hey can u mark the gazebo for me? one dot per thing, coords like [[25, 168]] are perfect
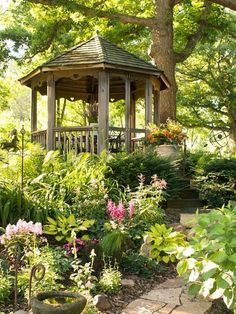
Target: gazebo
[[95, 71]]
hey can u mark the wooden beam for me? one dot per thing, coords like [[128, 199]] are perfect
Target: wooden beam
[[133, 115], [148, 102], [127, 115], [51, 112], [33, 111], [157, 108], [103, 111]]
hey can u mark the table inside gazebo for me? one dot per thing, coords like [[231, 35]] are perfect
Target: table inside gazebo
[[78, 139]]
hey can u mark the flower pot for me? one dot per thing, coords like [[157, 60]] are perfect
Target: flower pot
[[171, 152], [58, 303]]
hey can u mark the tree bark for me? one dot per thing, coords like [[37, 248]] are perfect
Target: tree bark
[[162, 52]]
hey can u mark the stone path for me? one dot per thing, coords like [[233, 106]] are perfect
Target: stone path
[[170, 297]]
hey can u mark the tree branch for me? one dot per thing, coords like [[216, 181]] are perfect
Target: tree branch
[[193, 39], [95, 12], [230, 4]]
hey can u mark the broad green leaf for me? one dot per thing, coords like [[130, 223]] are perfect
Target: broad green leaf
[[194, 288], [166, 259], [52, 221], [219, 257], [59, 238], [232, 258], [182, 267], [221, 283], [232, 243]]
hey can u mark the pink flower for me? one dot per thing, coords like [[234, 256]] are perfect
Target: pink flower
[[116, 212], [21, 228], [131, 209], [38, 228]]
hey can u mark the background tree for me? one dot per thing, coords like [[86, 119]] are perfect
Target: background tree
[[207, 85], [171, 28]]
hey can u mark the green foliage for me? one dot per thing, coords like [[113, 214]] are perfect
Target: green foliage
[[115, 242], [216, 181], [208, 98], [110, 280], [164, 242], [13, 205], [126, 168], [139, 265], [210, 259], [54, 262], [82, 275], [6, 283], [147, 199], [62, 227]]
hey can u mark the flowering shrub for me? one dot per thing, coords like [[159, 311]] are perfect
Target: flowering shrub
[[77, 245], [20, 231], [170, 133], [118, 213]]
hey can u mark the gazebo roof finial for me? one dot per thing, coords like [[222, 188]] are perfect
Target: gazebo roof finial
[[97, 33]]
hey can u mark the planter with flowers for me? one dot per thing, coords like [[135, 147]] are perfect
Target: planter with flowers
[[166, 139]]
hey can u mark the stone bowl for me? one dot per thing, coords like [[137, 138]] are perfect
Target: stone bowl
[[58, 303]]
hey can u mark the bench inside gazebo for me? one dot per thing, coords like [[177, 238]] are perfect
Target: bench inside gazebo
[[97, 72]]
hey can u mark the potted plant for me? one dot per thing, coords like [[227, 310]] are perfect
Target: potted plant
[[166, 139]]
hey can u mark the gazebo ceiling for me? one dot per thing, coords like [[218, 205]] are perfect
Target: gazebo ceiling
[[91, 56], [86, 88]]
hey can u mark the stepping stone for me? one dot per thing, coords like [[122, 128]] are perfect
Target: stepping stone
[[196, 307], [165, 295], [141, 306], [188, 220], [172, 283], [167, 309]]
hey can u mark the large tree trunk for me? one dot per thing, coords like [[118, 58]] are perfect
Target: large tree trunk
[[162, 52], [233, 131]]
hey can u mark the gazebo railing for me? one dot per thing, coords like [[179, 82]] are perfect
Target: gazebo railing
[[79, 139], [40, 137], [76, 139]]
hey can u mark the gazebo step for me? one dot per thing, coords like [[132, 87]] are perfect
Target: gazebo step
[[185, 203], [189, 194]]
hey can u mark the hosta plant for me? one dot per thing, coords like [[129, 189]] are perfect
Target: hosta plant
[[164, 243], [62, 227], [209, 262]]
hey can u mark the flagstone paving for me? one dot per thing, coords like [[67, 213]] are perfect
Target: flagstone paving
[[170, 297]]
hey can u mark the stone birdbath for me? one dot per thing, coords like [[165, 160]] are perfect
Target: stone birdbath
[[61, 302]]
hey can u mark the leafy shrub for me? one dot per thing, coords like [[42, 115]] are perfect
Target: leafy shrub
[[13, 205], [139, 265], [164, 242], [54, 262], [210, 260], [62, 227], [217, 181], [6, 284], [110, 280], [125, 168]]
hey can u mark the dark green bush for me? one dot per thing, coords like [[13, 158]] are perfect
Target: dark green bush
[[13, 205], [125, 169], [140, 265], [217, 181]]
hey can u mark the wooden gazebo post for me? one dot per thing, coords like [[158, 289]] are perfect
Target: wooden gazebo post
[[148, 101], [51, 104], [103, 110], [33, 110], [127, 114]]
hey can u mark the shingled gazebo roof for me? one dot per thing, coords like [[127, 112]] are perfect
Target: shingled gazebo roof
[[97, 52]]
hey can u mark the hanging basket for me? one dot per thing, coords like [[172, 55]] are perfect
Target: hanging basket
[[171, 152]]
